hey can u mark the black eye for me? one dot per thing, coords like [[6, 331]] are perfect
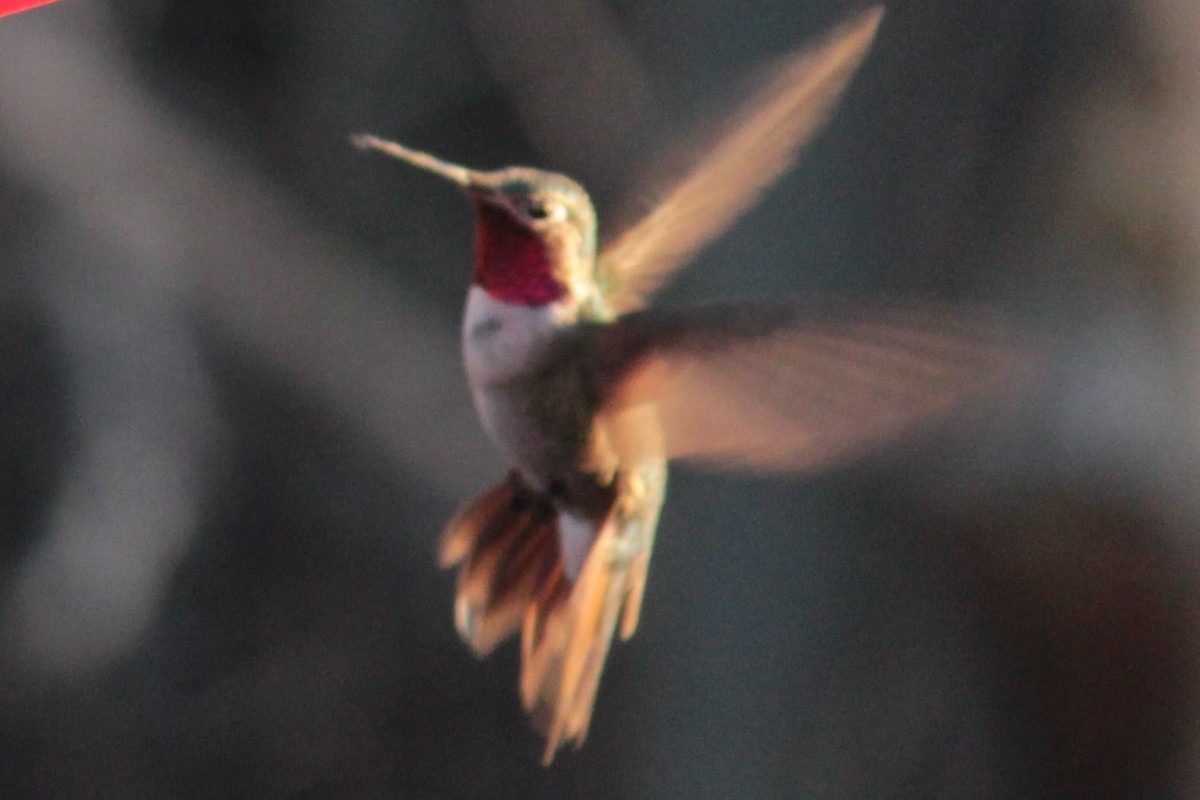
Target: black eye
[[536, 209]]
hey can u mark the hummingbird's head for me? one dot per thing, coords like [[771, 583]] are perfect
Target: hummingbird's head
[[535, 231]]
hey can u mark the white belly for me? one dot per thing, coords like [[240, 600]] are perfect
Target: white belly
[[501, 344]]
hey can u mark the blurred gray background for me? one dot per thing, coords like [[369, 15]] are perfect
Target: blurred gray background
[[233, 422]]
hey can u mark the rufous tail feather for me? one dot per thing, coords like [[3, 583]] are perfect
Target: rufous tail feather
[[511, 575]]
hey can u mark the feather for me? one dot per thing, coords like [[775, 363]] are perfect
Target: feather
[[763, 141], [512, 576], [505, 545], [795, 386], [567, 634]]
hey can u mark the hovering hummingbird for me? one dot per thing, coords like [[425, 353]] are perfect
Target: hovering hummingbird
[[588, 395]]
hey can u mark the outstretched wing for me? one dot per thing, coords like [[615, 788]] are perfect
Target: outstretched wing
[[797, 386], [763, 140]]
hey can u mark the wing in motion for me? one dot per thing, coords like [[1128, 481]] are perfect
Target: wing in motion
[[763, 140], [796, 386]]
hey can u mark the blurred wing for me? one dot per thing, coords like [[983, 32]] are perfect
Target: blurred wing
[[795, 387], [763, 141]]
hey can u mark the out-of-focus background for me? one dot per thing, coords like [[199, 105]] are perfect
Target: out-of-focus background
[[232, 417]]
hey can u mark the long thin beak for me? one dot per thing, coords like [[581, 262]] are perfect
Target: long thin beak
[[452, 172]]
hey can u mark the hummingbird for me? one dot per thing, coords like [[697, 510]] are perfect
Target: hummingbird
[[588, 393]]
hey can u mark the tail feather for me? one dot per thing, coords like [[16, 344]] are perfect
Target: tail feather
[[512, 575], [568, 672], [506, 545], [468, 524], [637, 589]]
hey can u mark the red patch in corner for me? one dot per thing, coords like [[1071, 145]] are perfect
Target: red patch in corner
[[15, 6]]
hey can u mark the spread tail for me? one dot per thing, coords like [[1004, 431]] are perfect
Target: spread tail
[[505, 543], [511, 575]]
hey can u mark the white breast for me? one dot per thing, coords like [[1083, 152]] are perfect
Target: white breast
[[502, 340], [501, 343]]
